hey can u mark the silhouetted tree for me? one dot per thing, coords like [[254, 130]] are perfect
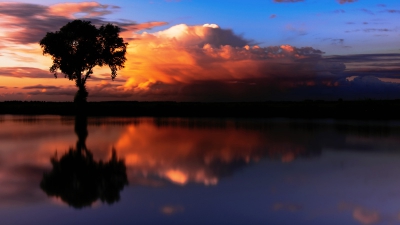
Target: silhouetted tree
[[79, 180], [79, 46]]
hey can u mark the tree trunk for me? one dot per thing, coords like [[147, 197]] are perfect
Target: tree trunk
[[81, 95]]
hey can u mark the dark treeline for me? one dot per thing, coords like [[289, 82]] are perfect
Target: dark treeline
[[365, 109]]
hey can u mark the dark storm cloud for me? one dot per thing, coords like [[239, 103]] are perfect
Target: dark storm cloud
[[262, 90], [362, 87], [366, 58], [371, 65], [379, 73], [382, 65], [321, 78]]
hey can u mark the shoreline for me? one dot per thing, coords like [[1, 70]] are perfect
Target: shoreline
[[358, 110]]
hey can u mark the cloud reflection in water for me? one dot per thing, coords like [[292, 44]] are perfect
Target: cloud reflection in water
[[327, 161]]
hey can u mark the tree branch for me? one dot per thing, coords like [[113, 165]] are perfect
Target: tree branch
[[90, 71]]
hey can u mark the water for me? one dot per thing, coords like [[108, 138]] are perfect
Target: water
[[198, 171]]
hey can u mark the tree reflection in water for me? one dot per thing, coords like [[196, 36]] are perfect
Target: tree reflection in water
[[79, 180]]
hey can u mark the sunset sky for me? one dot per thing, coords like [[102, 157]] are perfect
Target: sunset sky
[[202, 50]]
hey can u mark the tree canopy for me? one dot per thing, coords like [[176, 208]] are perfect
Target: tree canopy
[[79, 46]]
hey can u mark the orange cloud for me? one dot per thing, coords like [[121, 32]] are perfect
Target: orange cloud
[[192, 58], [182, 63], [143, 26], [209, 63], [81, 9]]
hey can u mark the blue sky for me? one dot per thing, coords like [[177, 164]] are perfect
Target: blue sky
[[364, 26], [318, 23]]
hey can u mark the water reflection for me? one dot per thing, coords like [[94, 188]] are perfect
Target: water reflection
[[204, 151], [233, 171], [79, 180]]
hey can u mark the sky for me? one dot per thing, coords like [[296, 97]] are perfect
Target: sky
[[201, 50]]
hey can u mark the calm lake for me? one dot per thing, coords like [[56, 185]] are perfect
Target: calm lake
[[67, 170]]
